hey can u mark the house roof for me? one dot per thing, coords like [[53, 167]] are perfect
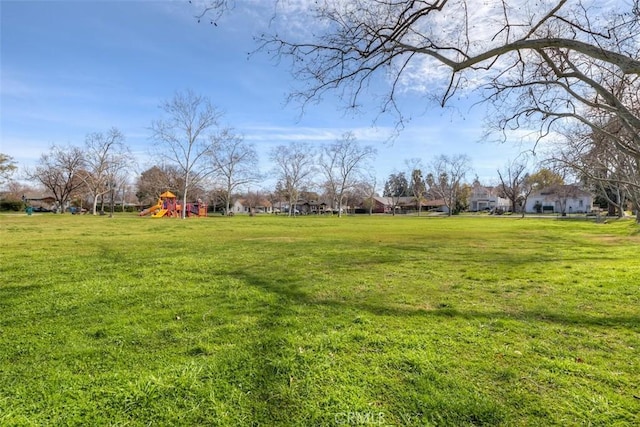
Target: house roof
[[41, 197], [408, 201], [262, 202], [434, 202], [479, 191], [570, 190], [383, 200]]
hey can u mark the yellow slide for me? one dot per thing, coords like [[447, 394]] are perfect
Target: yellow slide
[[150, 210], [159, 214]]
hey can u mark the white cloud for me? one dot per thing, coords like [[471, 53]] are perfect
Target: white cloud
[[283, 134]]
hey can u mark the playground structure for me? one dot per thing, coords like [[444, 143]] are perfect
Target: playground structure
[[168, 206]]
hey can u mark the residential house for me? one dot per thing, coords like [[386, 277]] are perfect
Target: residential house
[[307, 207], [41, 200], [406, 205], [382, 204], [486, 198], [563, 199], [243, 205]]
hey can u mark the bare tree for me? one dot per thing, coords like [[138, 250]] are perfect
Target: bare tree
[[234, 161], [368, 189], [16, 190], [213, 10], [342, 164], [127, 195], [7, 167], [60, 171], [253, 199], [183, 139], [104, 153], [277, 196], [217, 197], [417, 185], [294, 166], [539, 64], [515, 184], [614, 174], [418, 188], [527, 186], [446, 177]]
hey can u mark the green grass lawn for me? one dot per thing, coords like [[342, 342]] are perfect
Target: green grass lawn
[[318, 321]]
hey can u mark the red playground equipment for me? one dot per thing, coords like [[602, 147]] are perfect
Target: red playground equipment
[[168, 206]]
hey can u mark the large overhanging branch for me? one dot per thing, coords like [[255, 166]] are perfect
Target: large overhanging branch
[[587, 171], [611, 107], [564, 62], [626, 64], [626, 146], [599, 163], [610, 98]]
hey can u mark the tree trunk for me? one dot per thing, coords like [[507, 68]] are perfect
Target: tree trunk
[[111, 204]]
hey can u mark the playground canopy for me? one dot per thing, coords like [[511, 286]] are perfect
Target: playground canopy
[[168, 195]]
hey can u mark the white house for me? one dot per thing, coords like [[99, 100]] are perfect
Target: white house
[[486, 198], [243, 206], [560, 199]]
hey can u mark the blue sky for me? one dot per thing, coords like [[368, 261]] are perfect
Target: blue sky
[[71, 68]]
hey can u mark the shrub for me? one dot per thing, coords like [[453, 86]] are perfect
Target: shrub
[[15, 205]]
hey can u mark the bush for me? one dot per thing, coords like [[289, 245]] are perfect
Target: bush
[[15, 205], [128, 209]]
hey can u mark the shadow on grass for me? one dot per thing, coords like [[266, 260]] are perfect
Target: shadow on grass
[[275, 359], [292, 292], [504, 256], [414, 401], [9, 292], [283, 387]]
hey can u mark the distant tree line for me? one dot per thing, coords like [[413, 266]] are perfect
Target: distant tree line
[[562, 70], [197, 158]]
